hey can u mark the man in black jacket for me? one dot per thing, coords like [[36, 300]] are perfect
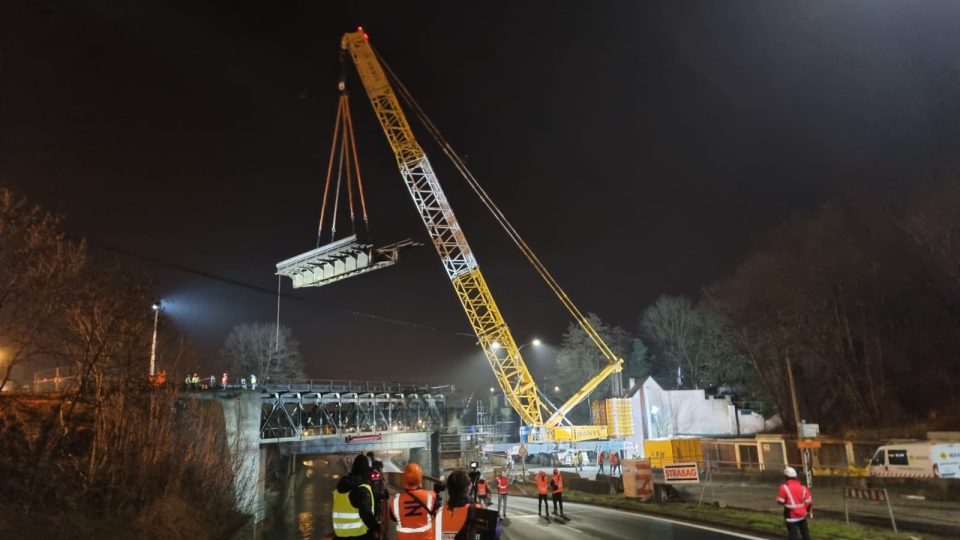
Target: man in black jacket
[[353, 508]]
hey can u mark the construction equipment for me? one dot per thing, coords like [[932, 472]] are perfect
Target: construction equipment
[[548, 423]]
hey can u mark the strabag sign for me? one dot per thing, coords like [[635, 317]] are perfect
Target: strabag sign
[[681, 473]]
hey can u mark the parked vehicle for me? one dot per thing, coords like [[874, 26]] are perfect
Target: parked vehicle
[[923, 459]]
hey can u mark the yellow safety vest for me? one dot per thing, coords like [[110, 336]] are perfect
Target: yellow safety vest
[[346, 518]]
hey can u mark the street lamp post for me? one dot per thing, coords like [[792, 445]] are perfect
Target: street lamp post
[[153, 344]]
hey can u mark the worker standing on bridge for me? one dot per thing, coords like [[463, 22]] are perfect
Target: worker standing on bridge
[[352, 506], [502, 484], [414, 508], [224, 380], [542, 488], [253, 381], [797, 502], [600, 457], [615, 463]]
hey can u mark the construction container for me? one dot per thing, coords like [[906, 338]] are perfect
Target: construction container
[[666, 451], [615, 414]]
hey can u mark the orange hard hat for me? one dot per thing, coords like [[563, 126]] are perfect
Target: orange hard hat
[[412, 476]]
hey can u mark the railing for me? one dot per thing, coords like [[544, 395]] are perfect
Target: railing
[[55, 379], [340, 385]]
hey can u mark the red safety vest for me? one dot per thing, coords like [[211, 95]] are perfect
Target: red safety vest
[[795, 497], [614, 459], [450, 521], [541, 484], [600, 458], [558, 480], [414, 522], [481, 489], [502, 484]]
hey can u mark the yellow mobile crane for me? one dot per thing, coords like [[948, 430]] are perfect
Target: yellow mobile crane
[[547, 423]]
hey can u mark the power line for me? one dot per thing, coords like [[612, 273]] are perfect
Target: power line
[[256, 288]]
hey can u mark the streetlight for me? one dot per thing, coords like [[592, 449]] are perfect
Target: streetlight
[[153, 345], [492, 389], [536, 343], [556, 389]]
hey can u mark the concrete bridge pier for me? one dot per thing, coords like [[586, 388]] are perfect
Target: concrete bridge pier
[[242, 419]]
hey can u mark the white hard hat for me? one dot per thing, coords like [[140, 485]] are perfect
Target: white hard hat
[[790, 472]]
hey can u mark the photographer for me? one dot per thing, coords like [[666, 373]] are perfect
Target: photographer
[[460, 519]]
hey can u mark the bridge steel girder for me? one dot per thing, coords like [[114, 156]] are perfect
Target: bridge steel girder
[[289, 416]]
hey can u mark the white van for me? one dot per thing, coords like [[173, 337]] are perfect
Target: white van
[[917, 460]]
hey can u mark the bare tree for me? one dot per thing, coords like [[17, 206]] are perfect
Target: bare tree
[[254, 348], [38, 270]]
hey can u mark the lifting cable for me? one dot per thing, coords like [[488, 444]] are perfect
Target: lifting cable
[[343, 151], [498, 214]]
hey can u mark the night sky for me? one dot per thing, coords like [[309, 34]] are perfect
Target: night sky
[[641, 148]]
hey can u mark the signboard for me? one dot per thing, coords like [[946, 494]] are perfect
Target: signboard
[[681, 473], [523, 451], [810, 443], [809, 431], [637, 478]]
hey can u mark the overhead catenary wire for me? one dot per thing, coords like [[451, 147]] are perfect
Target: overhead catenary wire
[[498, 215]]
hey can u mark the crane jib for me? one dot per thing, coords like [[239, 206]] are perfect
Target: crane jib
[[460, 264]]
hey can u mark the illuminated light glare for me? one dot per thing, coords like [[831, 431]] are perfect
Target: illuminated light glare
[[492, 389], [495, 345], [556, 388], [537, 342], [654, 409]]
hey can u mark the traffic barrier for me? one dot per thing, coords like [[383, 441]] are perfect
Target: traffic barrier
[[869, 494]]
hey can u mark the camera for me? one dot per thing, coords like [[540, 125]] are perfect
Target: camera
[[473, 465], [439, 486]]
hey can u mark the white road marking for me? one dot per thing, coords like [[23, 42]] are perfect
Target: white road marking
[[681, 523]]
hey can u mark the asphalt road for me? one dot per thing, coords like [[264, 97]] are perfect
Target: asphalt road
[[307, 515], [596, 522]]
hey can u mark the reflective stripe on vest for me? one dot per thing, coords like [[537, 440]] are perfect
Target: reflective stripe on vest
[[346, 518], [403, 529], [795, 507]]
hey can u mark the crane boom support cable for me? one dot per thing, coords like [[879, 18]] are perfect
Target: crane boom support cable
[[512, 233]]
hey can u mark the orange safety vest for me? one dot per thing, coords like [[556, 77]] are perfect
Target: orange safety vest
[[558, 480], [414, 522], [614, 459], [541, 484], [450, 521], [481, 489], [501, 484], [600, 458]]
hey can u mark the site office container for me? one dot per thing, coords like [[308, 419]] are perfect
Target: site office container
[[666, 451]]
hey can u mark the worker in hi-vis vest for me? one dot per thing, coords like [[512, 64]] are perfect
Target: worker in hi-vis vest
[[353, 504], [453, 516], [797, 502], [542, 489], [414, 508]]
